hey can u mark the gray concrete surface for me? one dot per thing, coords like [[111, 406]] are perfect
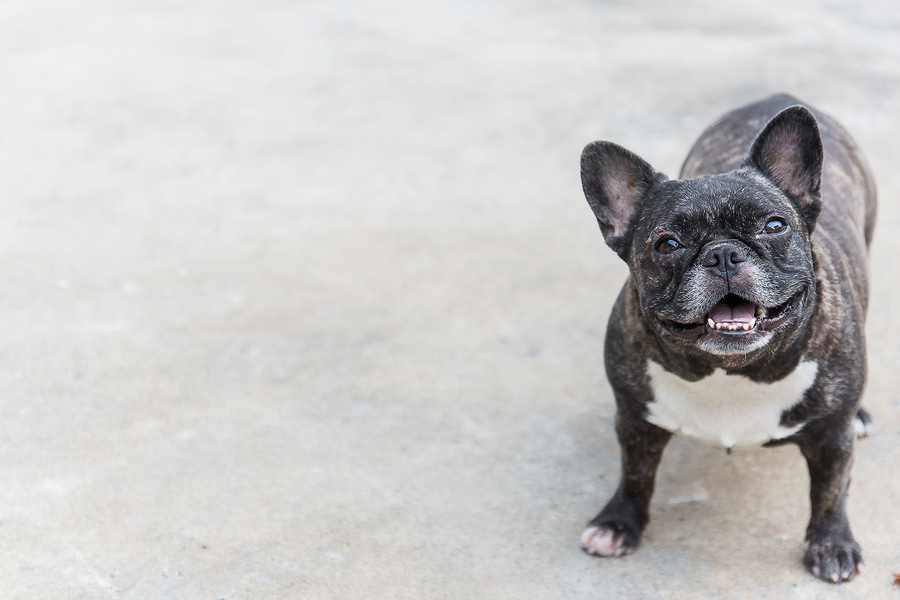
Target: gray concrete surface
[[303, 300]]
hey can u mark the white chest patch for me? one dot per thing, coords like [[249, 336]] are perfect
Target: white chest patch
[[727, 410]]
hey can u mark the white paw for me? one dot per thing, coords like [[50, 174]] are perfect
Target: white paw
[[861, 428], [603, 542]]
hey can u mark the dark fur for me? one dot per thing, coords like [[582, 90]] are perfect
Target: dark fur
[[772, 157]]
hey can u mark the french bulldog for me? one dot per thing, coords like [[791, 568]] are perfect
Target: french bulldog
[[742, 321]]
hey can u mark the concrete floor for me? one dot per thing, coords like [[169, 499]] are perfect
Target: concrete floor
[[303, 299]]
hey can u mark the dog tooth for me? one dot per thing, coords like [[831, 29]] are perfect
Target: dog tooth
[[752, 323], [711, 323]]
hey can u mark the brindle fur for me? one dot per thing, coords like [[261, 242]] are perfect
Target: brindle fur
[[827, 327]]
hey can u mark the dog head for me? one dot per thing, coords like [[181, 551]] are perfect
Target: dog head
[[722, 263]]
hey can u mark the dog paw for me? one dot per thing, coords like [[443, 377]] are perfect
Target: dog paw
[[862, 424], [604, 541], [834, 560]]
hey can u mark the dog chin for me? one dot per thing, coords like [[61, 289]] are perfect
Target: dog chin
[[731, 348]]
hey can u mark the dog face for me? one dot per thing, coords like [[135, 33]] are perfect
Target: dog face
[[722, 263]]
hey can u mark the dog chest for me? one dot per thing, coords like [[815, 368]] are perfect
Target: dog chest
[[727, 410]]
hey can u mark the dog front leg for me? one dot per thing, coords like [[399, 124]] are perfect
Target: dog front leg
[[617, 529], [833, 554]]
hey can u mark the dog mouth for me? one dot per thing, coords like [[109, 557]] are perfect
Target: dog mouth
[[734, 316]]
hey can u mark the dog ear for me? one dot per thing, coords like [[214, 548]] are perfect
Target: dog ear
[[614, 182], [789, 153]]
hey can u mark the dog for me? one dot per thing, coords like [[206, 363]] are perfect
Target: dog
[[742, 321]]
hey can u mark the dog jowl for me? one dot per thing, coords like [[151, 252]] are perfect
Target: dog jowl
[[741, 323]]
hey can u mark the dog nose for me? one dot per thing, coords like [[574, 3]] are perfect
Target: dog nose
[[725, 257]]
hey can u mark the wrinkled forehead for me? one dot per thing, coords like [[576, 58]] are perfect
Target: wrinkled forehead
[[729, 201]]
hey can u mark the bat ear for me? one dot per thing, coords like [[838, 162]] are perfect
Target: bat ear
[[789, 153], [614, 182]]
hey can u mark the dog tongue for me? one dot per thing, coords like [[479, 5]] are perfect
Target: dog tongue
[[741, 312]]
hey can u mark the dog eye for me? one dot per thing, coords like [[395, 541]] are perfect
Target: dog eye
[[775, 226], [667, 246]]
